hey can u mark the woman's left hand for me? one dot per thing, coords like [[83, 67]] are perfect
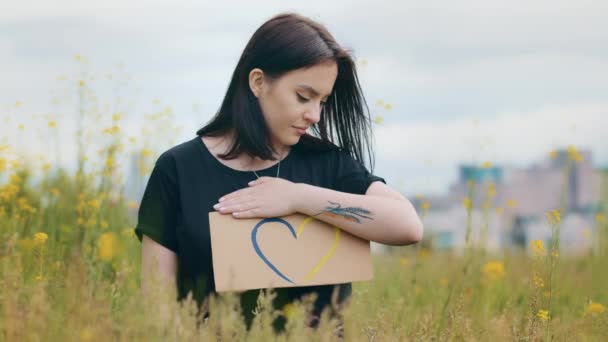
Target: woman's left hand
[[265, 197]]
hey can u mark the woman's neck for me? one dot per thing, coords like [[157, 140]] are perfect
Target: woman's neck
[[224, 142]]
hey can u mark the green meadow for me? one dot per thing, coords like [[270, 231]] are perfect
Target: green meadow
[[70, 262]]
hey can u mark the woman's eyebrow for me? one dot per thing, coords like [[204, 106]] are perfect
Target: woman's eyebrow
[[310, 89]]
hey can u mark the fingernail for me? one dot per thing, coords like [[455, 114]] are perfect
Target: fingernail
[[221, 199]]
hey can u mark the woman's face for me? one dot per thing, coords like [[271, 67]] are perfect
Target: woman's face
[[293, 100]]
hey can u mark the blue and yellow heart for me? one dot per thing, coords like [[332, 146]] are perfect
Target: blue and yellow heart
[[296, 235]]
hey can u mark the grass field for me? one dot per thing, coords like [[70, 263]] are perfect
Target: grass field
[[70, 268]]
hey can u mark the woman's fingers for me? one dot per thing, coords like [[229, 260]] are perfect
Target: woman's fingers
[[250, 213], [236, 207]]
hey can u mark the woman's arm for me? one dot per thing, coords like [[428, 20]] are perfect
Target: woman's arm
[[378, 216], [158, 283], [158, 267]]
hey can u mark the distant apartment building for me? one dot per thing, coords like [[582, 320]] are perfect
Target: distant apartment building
[[515, 202]]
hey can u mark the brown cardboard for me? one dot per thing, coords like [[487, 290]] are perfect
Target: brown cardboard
[[321, 254]]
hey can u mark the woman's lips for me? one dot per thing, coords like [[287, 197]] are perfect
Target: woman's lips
[[300, 130]]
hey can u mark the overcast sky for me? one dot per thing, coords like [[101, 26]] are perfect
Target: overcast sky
[[469, 81]]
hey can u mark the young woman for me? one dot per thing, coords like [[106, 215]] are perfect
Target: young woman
[[291, 80]]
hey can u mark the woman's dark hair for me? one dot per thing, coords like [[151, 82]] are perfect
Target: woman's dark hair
[[286, 42]]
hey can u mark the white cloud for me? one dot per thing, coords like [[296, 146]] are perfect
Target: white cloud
[[526, 70], [424, 155]]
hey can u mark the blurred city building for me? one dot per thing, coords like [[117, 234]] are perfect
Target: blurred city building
[[509, 205]]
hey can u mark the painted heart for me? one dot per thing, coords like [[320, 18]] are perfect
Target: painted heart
[[295, 234]]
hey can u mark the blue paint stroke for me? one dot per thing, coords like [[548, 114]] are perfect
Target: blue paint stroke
[[254, 233]]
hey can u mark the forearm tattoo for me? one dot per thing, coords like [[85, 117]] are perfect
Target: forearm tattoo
[[351, 213]]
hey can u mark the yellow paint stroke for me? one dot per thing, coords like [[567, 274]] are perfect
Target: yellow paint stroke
[[327, 255]]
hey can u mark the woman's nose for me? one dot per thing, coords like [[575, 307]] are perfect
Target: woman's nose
[[314, 115]]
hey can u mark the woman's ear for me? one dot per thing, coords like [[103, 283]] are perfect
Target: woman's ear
[[256, 81]]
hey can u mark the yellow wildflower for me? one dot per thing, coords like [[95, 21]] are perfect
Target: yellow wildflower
[[594, 309], [543, 315], [15, 179], [107, 246], [2, 164], [21, 127], [289, 310], [52, 124], [554, 217], [418, 196], [112, 130], [40, 238], [486, 165], [494, 270], [95, 203], [380, 102], [537, 247], [538, 281], [404, 261], [146, 152], [388, 106], [22, 202], [466, 203], [132, 204], [378, 119], [81, 83], [424, 253], [511, 203], [599, 217], [499, 210], [103, 224], [425, 205], [491, 189], [574, 154], [553, 154], [116, 117]]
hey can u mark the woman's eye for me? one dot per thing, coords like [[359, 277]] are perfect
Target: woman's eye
[[301, 98]]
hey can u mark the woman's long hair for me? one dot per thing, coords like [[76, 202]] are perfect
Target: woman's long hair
[[286, 42]]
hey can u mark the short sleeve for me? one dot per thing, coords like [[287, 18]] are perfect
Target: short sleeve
[[159, 206], [351, 175]]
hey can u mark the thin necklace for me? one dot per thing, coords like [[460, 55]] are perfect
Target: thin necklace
[[278, 169]]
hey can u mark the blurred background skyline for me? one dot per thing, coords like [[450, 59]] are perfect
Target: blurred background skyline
[[468, 82]]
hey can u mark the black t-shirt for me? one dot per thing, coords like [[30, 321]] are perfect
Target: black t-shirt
[[187, 180]]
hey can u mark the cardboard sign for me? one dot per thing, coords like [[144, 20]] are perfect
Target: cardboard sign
[[293, 250]]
